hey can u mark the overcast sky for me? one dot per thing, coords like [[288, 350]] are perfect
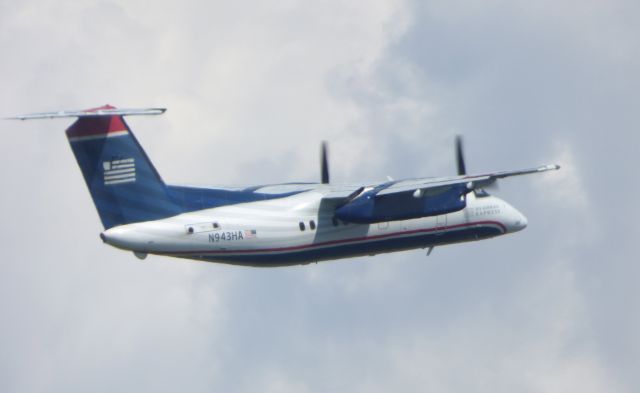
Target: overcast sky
[[252, 88]]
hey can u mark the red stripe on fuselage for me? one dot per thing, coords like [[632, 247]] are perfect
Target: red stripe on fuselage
[[334, 242]]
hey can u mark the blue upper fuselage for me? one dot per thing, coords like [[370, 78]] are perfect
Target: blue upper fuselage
[[195, 198]]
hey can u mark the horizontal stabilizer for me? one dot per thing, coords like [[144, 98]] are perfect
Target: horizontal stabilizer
[[106, 110]]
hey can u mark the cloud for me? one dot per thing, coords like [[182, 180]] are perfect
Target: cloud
[[252, 87]]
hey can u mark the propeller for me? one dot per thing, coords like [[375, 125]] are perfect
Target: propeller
[[324, 164], [462, 169]]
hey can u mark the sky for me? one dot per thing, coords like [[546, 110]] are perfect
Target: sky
[[251, 88]]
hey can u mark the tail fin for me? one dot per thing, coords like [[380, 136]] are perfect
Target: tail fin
[[123, 183]]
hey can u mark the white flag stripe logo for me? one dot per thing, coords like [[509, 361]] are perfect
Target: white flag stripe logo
[[110, 182], [116, 171], [120, 166], [125, 161], [119, 171], [120, 176]]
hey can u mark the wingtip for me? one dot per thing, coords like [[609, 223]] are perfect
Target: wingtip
[[553, 167]]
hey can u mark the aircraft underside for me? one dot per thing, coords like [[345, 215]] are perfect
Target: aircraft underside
[[350, 248]]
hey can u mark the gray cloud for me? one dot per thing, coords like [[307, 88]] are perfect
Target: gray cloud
[[251, 89]]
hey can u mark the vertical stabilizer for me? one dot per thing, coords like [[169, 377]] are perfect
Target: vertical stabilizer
[[123, 183]]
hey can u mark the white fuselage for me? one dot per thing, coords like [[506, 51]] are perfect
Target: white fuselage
[[300, 229]]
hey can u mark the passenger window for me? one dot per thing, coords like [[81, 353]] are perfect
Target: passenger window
[[312, 225], [334, 221], [301, 224]]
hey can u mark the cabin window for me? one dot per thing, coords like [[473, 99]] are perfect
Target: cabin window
[[301, 225], [216, 225], [334, 221], [312, 225], [190, 230]]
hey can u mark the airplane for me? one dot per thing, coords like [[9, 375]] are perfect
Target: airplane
[[277, 224]]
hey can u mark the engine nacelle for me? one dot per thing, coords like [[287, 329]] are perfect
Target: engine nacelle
[[371, 208]]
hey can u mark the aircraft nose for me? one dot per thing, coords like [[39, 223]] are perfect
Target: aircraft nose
[[517, 221]]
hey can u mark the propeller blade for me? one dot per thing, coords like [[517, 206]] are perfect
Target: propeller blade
[[460, 156], [462, 169], [324, 164]]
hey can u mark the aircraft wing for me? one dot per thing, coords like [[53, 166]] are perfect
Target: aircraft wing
[[477, 181], [414, 198]]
